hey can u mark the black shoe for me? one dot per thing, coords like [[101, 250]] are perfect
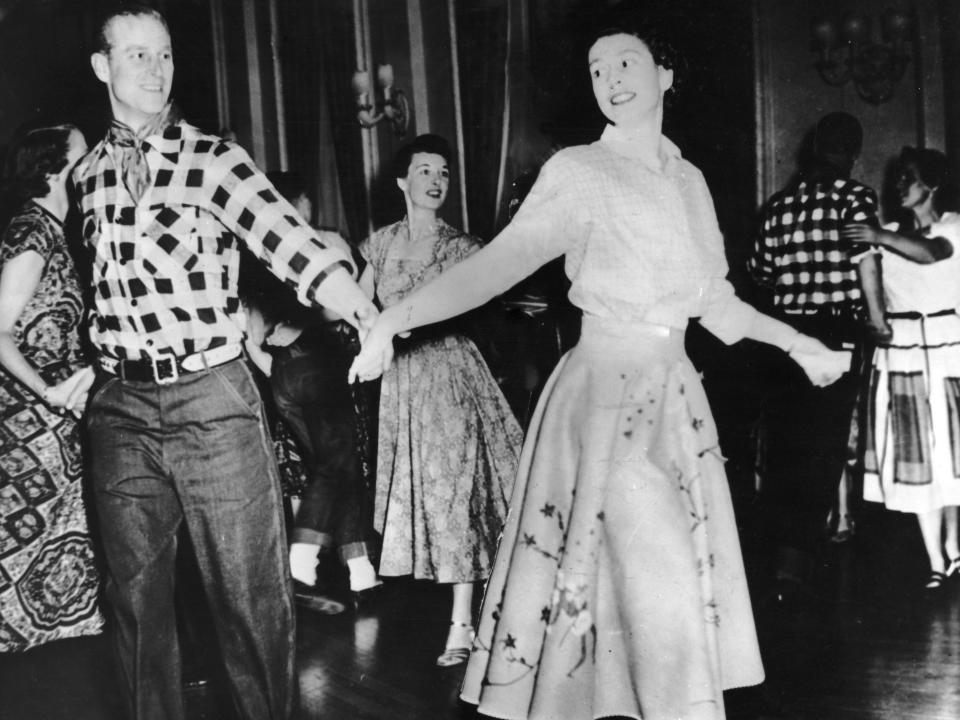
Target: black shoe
[[365, 600], [309, 598], [791, 595]]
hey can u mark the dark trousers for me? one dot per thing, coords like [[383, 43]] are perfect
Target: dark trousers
[[806, 432], [310, 391], [194, 452]]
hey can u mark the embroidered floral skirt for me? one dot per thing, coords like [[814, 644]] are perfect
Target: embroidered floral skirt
[[448, 447], [618, 587], [911, 456], [48, 577]]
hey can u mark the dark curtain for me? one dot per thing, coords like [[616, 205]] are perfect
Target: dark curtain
[[336, 39], [482, 39], [323, 138]]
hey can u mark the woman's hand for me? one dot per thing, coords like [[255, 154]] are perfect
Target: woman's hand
[[376, 350], [71, 394], [822, 365], [860, 233]]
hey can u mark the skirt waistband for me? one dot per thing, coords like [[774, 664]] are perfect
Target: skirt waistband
[[639, 339]]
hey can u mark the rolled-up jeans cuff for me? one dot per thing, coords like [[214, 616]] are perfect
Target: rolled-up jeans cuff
[[354, 550], [312, 537]]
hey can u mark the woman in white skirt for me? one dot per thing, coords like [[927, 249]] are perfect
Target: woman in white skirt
[[618, 587], [912, 426]]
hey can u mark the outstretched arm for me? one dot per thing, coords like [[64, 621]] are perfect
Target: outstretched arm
[[465, 286], [916, 247]]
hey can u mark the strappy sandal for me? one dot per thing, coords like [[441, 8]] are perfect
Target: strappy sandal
[[456, 655], [935, 580], [953, 567]]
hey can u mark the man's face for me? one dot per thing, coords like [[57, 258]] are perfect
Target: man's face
[[138, 70]]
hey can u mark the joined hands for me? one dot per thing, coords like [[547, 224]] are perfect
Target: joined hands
[[822, 365], [376, 347]]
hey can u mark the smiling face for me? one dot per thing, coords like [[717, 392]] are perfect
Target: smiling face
[[138, 70], [427, 181], [627, 83]]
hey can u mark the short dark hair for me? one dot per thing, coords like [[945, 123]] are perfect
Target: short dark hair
[[931, 165], [38, 153], [837, 134], [289, 184], [101, 42], [433, 144], [659, 41]]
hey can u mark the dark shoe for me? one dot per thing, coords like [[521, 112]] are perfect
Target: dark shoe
[[935, 581], [310, 598], [365, 600], [788, 595]]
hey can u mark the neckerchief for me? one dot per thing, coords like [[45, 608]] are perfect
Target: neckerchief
[[133, 159]]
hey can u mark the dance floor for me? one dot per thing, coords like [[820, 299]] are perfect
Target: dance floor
[[872, 645]]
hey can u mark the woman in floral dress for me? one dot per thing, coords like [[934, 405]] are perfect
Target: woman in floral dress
[[447, 441], [48, 578], [618, 587]]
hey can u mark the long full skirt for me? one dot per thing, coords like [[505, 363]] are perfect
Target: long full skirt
[[448, 447], [618, 587]]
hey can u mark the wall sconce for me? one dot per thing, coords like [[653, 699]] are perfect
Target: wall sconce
[[391, 106], [848, 52]]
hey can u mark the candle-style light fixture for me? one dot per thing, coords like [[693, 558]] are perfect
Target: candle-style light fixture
[[849, 51], [391, 104]]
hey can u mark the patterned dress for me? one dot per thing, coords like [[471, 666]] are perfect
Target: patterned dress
[[448, 443], [911, 429], [48, 577], [618, 588]]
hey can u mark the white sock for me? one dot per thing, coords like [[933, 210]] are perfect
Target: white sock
[[362, 574], [303, 562]]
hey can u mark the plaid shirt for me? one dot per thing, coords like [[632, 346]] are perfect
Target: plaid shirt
[[165, 269], [799, 253]]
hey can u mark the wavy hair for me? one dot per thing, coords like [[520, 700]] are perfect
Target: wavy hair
[[34, 156]]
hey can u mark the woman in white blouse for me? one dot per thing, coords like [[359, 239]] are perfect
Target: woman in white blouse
[[618, 587], [911, 443]]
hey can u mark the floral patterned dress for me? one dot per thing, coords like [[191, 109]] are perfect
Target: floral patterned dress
[[618, 588], [48, 577], [448, 443]]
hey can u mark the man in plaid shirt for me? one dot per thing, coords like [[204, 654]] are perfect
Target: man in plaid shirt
[[800, 257], [175, 421]]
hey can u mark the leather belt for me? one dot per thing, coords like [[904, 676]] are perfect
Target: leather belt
[[167, 369], [916, 315]]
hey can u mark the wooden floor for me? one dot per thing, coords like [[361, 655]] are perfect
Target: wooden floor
[[874, 646]]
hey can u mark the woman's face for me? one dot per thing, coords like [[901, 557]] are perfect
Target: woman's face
[[913, 192], [627, 83], [427, 181]]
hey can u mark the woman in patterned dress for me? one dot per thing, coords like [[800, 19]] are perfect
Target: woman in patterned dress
[[912, 414], [618, 587], [48, 579], [448, 443]]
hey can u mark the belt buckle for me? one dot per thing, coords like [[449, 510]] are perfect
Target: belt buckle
[[165, 370]]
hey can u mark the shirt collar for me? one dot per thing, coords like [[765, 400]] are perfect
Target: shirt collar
[[618, 141]]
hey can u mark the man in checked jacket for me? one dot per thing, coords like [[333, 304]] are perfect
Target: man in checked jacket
[[175, 422], [800, 257]]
